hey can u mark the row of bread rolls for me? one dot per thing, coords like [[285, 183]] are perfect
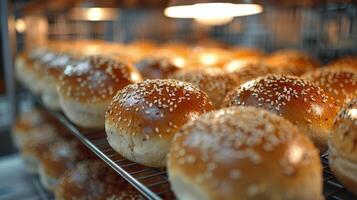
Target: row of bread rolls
[[65, 166], [143, 117]]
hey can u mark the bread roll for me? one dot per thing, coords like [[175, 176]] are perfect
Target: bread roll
[[347, 62], [301, 102], [60, 157], [86, 88], [244, 153], [214, 81], [142, 118], [342, 146], [341, 84], [94, 180], [290, 61]]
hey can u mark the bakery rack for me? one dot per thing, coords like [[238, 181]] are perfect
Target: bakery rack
[[152, 182]]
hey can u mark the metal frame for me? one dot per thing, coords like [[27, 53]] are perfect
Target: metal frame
[[7, 58]]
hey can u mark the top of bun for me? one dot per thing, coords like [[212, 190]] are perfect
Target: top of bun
[[96, 78], [291, 61], [214, 81], [244, 152], [298, 100], [341, 84], [245, 72], [156, 108], [349, 62], [344, 132]]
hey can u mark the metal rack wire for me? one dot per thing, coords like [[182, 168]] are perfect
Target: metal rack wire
[[153, 182]]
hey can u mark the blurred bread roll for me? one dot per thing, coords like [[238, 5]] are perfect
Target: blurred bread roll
[[245, 153], [301, 102]]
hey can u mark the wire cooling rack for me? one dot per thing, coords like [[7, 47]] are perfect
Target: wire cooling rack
[[153, 182]]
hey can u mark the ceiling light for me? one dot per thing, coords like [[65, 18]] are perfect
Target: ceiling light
[[211, 13]]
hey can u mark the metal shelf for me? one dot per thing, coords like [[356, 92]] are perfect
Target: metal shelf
[[153, 182]]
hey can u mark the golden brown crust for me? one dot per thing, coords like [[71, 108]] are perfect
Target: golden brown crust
[[158, 67], [214, 81], [244, 152], [291, 61], [343, 137], [347, 62], [156, 108], [96, 79], [341, 84], [301, 102], [94, 180], [245, 72], [63, 155]]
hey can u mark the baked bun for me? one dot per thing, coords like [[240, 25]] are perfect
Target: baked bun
[[142, 118], [38, 142], [61, 156], [245, 72], [139, 49], [51, 71], [341, 84], [349, 62], [26, 68], [342, 146], [160, 66], [86, 88], [245, 153], [301, 102], [94, 180], [214, 81], [24, 125], [290, 61]]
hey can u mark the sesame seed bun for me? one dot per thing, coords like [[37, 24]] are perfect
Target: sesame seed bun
[[349, 62], [142, 118], [162, 63], [341, 84], [61, 156], [245, 72], [291, 61], [86, 88], [26, 68], [243, 152], [342, 146], [51, 70], [301, 102], [214, 81], [93, 179], [37, 143]]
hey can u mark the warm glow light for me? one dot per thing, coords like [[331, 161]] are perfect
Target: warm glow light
[[214, 21], [212, 13], [93, 14], [20, 25]]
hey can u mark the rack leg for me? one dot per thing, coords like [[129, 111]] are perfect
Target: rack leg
[[7, 59]]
